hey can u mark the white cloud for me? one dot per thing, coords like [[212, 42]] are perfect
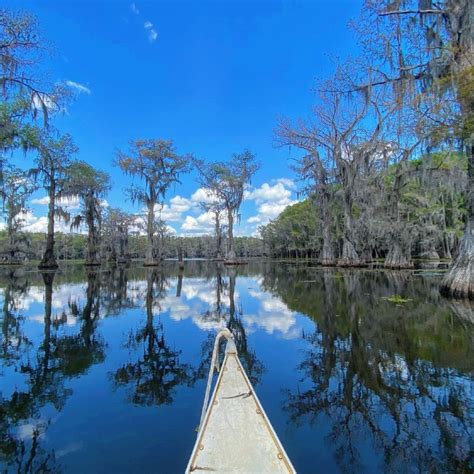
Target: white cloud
[[288, 183], [44, 201], [152, 35], [271, 200], [203, 195], [147, 25], [69, 203], [134, 9], [173, 211], [267, 192], [78, 87]]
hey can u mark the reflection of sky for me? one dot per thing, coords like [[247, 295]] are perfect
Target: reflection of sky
[[260, 310]]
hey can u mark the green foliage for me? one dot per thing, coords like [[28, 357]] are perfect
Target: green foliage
[[397, 299]]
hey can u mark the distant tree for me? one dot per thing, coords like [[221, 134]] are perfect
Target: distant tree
[[51, 171], [227, 181], [90, 186], [155, 163], [215, 207], [116, 231], [17, 188]]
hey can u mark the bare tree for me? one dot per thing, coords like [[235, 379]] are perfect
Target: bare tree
[[227, 181], [156, 163]]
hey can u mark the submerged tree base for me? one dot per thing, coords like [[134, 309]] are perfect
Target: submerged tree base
[[235, 262], [350, 263], [48, 266], [459, 280], [397, 260], [156, 263]]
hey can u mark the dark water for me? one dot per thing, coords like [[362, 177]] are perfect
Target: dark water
[[105, 371]]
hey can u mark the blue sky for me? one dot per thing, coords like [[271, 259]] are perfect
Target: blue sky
[[211, 76]]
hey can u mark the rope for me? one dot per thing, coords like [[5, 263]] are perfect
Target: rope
[[214, 366]]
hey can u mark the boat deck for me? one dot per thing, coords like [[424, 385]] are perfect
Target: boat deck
[[236, 435]]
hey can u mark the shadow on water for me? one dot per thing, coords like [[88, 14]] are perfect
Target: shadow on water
[[363, 380]]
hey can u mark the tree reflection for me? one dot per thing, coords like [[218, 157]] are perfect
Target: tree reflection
[[80, 351], [152, 378], [253, 367], [114, 292], [45, 386], [14, 341], [57, 357], [371, 375], [220, 316]]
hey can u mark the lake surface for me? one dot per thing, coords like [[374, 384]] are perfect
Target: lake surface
[[105, 370]]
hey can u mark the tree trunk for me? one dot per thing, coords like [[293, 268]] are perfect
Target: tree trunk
[[327, 252], [150, 255], [398, 256], [459, 280], [447, 249], [231, 255], [48, 279], [49, 260], [349, 257], [218, 236], [179, 286], [92, 236]]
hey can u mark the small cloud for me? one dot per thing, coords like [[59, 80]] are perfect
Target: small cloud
[[134, 9], [78, 87], [147, 25], [41, 201], [152, 35]]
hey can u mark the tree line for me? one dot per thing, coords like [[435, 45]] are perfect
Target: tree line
[[153, 164], [386, 159], [387, 122]]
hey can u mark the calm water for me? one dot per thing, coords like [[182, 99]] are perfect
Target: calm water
[[105, 371]]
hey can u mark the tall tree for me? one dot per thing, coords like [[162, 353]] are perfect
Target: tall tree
[[90, 186], [424, 51], [157, 165], [52, 164], [22, 52], [227, 181], [16, 189]]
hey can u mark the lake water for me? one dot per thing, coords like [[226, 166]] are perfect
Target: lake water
[[105, 371]]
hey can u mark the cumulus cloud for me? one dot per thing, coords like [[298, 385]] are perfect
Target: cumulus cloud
[[173, 211], [152, 35], [271, 200], [69, 203], [78, 87]]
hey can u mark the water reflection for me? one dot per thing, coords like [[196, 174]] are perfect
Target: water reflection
[[158, 370], [347, 376], [382, 373]]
